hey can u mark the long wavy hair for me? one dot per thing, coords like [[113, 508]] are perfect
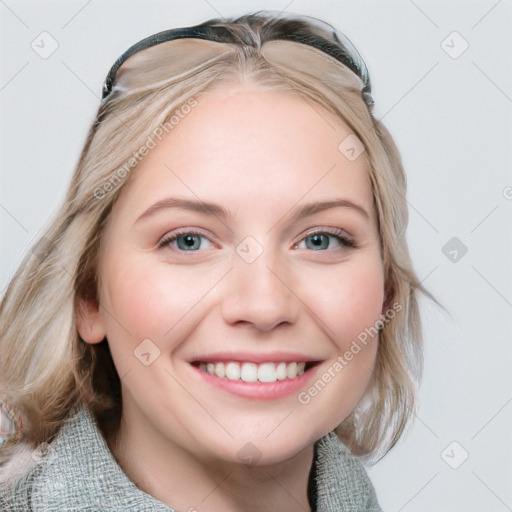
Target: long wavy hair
[[47, 370]]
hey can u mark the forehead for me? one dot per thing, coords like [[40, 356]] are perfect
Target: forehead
[[241, 143]]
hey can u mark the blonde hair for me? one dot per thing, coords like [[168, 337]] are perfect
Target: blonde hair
[[47, 369]]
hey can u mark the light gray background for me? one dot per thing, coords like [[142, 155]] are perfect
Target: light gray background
[[451, 118]]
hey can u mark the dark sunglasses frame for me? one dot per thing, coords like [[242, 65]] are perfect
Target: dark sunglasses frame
[[274, 27]]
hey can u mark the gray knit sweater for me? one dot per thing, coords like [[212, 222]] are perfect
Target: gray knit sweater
[[79, 473]]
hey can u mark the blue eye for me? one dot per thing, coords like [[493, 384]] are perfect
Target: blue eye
[[188, 241], [318, 242], [321, 241]]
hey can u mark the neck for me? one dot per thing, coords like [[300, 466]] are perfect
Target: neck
[[184, 481]]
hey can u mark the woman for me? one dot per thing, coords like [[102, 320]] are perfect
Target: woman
[[223, 314]]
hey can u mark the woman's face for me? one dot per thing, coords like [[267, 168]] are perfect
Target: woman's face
[[243, 251]]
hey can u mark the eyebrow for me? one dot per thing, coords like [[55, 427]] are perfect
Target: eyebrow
[[186, 204], [208, 208], [320, 206]]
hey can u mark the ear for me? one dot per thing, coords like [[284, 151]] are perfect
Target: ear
[[89, 320]]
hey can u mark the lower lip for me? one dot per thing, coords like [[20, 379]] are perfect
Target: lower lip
[[259, 390]]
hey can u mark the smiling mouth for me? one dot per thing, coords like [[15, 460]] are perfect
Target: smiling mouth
[[253, 372]]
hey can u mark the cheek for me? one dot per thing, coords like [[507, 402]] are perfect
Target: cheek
[[349, 300], [349, 304], [150, 300], [145, 302]]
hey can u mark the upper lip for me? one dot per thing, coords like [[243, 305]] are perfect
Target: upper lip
[[253, 357]]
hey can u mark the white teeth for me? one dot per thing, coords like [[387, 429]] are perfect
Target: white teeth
[[291, 370], [249, 372], [281, 371], [233, 371], [219, 370], [252, 372], [267, 372]]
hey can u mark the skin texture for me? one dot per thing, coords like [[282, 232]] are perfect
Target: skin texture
[[261, 155]]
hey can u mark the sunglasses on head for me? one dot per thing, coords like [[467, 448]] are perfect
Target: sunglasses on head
[[270, 27]]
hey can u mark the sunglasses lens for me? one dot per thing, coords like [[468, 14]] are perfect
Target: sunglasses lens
[[172, 52]]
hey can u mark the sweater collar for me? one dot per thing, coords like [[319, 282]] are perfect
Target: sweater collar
[[80, 473]]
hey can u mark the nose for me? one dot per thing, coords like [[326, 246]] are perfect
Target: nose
[[260, 294]]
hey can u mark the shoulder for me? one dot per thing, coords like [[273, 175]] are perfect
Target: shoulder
[[342, 481], [16, 479], [76, 472]]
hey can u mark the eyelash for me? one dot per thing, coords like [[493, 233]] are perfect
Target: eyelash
[[168, 239], [342, 237]]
